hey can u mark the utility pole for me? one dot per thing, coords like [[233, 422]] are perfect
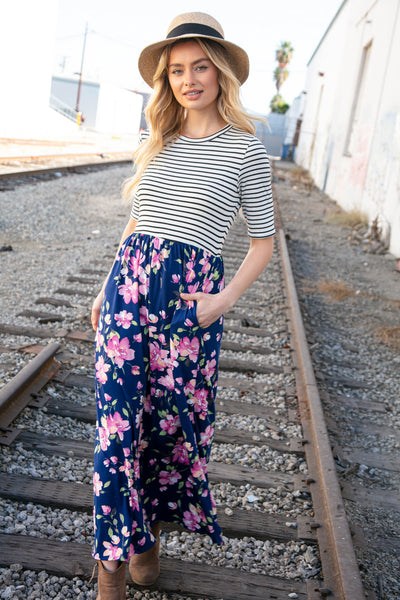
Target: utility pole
[[81, 71]]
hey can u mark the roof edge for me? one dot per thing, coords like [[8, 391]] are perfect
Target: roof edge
[[326, 32]]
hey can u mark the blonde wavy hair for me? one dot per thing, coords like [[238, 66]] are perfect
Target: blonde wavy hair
[[165, 116]]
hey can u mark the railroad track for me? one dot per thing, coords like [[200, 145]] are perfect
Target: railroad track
[[270, 384]]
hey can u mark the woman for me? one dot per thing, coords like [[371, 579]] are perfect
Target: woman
[[159, 315]]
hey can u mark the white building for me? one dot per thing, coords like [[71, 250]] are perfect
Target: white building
[[106, 108], [350, 134], [27, 40], [27, 44]]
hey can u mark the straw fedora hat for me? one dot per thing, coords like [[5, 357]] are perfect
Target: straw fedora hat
[[193, 25]]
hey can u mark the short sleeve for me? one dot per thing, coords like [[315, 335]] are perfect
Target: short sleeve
[[256, 192], [144, 134]]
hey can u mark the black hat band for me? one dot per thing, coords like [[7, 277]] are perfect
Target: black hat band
[[194, 28]]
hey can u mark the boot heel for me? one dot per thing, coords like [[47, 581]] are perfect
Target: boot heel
[[145, 568], [111, 586]]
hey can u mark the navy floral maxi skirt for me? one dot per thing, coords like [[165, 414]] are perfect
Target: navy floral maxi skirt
[[156, 381]]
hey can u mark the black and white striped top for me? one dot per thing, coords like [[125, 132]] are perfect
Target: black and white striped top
[[194, 188]]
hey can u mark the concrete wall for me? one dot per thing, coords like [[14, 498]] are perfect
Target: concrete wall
[[350, 136], [27, 38]]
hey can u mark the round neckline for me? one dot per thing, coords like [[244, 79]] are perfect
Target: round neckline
[[207, 137]]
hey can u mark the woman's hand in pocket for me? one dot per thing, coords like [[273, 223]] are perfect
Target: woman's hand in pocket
[[209, 307]]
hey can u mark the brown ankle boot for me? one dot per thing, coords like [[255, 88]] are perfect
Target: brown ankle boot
[[111, 586], [145, 568]]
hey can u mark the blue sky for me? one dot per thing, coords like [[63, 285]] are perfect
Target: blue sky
[[118, 31]]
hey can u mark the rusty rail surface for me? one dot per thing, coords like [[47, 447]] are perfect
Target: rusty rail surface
[[339, 566], [17, 393]]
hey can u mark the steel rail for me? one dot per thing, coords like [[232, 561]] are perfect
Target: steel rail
[[340, 570], [16, 394], [64, 169]]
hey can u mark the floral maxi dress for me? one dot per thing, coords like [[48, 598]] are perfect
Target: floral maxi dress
[[156, 381]]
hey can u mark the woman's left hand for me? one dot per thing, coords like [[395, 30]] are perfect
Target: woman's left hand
[[209, 307]]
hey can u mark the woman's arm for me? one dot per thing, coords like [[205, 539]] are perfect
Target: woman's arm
[[129, 229], [211, 306]]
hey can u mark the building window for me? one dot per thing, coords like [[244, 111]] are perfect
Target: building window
[[357, 100]]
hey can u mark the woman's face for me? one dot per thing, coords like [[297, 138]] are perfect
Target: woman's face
[[193, 77]]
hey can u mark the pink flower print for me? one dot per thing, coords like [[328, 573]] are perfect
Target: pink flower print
[[172, 505], [97, 484], [126, 452], [197, 470], [192, 289], [106, 509], [142, 541], [136, 469], [206, 436], [190, 272], [180, 454], [190, 387], [126, 468], [104, 438], [207, 286], [169, 477], [125, 531], [135, 262], [199, 400], [157, 357], [147, 406], [157, 243], [134, 499], [116, 424], [144, 315], [155, 260], [191, 518], [119, 350], [129, 291], [144, 282], [99, 338], [206, 265], [176, 278], [138, 338], [123, 319], [189, 348], [113, 551], [167, 380], [170, 424], [101, 369], [125, 254], [161, 339], [209, 369]]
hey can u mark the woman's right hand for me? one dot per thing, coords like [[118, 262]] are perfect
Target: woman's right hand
[[96, 306]]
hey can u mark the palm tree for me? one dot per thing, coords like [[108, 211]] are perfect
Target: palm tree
[[280, 76], [284, 53]]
